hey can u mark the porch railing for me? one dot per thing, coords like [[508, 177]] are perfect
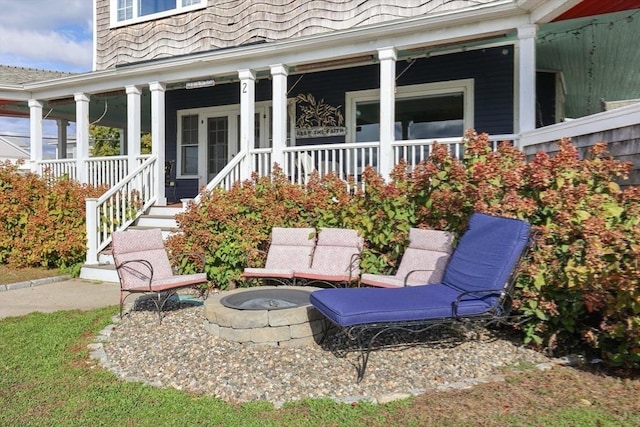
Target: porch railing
[[349, 160], [59, 168], [119, 207], [98, 171], [106, 170], [228, 176], [416, 151]]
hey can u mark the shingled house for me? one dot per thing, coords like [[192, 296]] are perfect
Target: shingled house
[[230, 88]]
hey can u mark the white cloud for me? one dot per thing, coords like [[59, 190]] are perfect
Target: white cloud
[[50, 46], [47, 33]]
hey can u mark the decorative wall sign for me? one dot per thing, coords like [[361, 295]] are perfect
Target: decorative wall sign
[[316, 119]]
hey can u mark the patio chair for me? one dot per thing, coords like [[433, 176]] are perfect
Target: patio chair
[[476, 287], [335, 259], [422, 263], [290, 248], [143, 267]]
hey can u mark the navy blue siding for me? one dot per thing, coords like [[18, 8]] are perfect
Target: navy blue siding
[[493, 72], [491, 68]]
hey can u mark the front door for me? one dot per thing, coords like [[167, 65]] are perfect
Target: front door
[[222, 141], [221, 145]]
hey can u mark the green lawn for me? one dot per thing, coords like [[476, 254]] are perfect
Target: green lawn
[[47, 379]]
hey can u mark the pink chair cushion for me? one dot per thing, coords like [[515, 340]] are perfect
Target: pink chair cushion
[[424, 260], [140, 245], [336, 255], [290, 248], [432, 240]]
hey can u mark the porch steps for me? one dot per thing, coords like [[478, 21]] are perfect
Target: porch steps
[[162, 217]]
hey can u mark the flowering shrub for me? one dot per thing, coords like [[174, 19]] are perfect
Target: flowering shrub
[[579, 286], [43, 222]]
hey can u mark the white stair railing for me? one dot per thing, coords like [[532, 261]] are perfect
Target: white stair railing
[[228, 176], [119, 207]]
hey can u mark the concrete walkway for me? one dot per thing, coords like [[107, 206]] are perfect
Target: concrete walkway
[[68, 294]]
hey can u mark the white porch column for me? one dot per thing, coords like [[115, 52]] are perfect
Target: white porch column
[[526, 78], [387, 57], [279, 74], [158, 137], [35, 132], [247, 118], [62, 138], [82, 136], [133, 126]]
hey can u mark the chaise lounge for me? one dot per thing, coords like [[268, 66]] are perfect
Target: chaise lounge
[[476, 287]]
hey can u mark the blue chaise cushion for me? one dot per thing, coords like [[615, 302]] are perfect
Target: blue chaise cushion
[[482, 260], [353, 306], [486, 253]]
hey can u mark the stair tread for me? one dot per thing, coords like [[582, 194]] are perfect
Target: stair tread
[[101, 266]]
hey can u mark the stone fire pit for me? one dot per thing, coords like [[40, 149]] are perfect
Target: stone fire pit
[[270, 315]]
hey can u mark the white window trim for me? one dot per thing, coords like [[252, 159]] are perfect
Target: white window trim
[[113, 13], [181, 114], [466, 86], [232, 111]]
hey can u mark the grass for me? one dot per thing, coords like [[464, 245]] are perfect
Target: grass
[[13, 275], [46, 378]]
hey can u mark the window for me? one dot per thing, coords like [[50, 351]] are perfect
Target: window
[[433, 110], [189, 145], [125, 12]]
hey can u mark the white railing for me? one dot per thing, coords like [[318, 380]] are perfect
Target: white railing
[[416, 151], [119, 207], [599, 122], [106, 170], [347, 161], [55, 169], [228, 176], [261, 161]]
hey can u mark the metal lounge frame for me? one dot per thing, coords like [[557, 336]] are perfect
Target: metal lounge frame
[[363, 311]]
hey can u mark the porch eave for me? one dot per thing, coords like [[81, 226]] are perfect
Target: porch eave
[[450, 27]]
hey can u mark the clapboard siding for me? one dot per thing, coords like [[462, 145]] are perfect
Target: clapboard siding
[[491, 68], [230, 23], [493, 72]]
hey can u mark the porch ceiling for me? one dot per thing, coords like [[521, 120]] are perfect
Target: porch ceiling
[[104, 110]]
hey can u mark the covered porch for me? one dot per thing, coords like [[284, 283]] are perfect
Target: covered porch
[[218, 117]]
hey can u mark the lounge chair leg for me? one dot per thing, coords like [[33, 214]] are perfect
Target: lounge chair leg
[[365, 351]]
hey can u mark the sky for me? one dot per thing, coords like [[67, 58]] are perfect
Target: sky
[[45, 34]]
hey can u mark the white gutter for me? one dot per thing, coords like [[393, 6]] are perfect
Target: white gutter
[[13, 93]]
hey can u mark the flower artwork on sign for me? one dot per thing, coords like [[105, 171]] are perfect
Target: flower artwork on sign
[[317, 119]]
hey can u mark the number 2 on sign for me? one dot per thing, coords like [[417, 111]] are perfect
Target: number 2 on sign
[[244, 88]]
